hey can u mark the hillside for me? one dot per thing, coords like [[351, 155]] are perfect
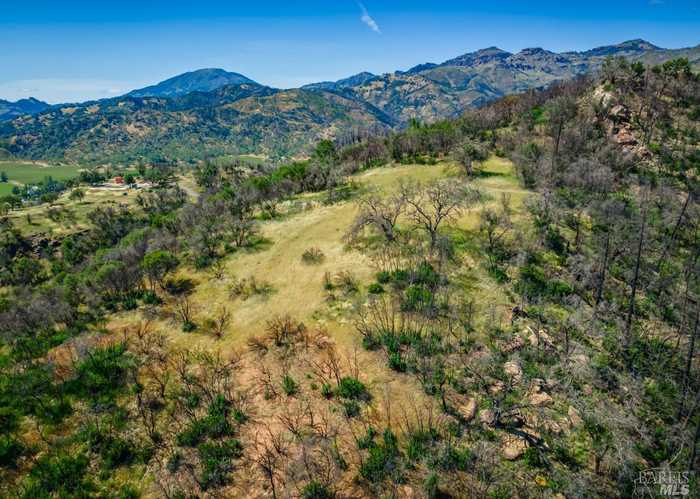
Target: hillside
[[234, 119], [193, 116], [435, 91], [501, 305], [11, 110]]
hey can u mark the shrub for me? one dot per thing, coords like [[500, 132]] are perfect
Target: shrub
[[289, 386], [417, 298], [316, 490], [214, 425], [396, 362], [202, 262], [425, 274], [367, 441], [101, 376], [284, 331], [174, 462], [352, 408], [418, 443], [382, 460], [217, 461], [326, 390], [151, 298], [179, 286], [327, 281], [375, 288], [130, 302], [451, 458], [61, 475], [188, 326], [347, 281], [352, 388], [383, 277], [431, 486], [10, 450], [247, 287], [312, 256]]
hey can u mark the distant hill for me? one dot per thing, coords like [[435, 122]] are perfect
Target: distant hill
[[433, 91], [352, 81], [202, 80], [11, 110], [211, 111], [234, 119]]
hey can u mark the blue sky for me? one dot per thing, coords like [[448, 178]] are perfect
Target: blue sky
[[66, 51]]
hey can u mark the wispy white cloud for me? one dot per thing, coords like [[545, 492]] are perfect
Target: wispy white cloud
[[367, 19]]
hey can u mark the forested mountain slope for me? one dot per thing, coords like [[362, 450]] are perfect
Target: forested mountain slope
[[506, 304], [212, 112]]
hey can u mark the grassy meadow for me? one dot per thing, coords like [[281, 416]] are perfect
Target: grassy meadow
[[25, 172], [296, 287]]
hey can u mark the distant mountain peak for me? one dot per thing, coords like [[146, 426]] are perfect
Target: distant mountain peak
[[640, 44], [635, 46], [535, 50], [481, 56], [200, 80]]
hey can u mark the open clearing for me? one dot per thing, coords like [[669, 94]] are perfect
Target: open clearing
[[297, 287], [23, 172], [34, 220]]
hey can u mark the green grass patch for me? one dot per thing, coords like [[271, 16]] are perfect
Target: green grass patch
[[31, 173]]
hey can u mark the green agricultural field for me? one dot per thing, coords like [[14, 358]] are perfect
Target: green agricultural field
[[5, 189], [29, 173]]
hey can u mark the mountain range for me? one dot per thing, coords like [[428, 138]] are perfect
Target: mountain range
[[211, 111], [11, 110]]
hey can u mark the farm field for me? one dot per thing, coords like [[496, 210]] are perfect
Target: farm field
[[24, 172]]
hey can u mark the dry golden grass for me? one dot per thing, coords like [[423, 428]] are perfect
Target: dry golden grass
[[297, 286], [34, 219]]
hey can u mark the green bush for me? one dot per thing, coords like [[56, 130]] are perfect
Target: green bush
[[214, 425], [352, 408], [383, 459], [11, 449], [289, 386], [326, 390], [217, 461], [352, 388], [419, 443], [397, 363], [367, 441], [316, 490], [188, 327], [417, 298], [383, 277], [151, 298], [103, 373], [59, 475], [375, 288]]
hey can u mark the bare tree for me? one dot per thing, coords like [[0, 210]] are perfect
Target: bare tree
[[221, 322], [379, 213], [436, 203], [561, 110]]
